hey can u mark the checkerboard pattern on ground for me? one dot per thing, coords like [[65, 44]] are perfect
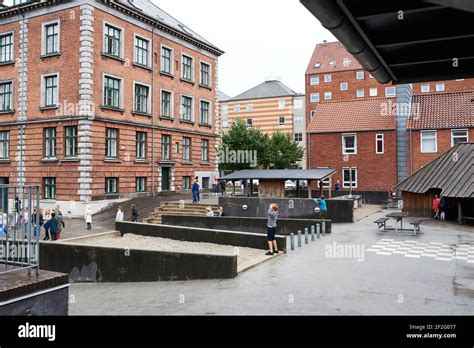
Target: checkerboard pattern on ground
[[416, 250]]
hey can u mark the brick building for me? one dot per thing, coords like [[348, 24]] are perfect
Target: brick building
[[102, 99], [270, 106]]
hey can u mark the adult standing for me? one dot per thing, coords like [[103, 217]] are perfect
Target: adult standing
[[198, 193], [436, 207], [214, 185], [119, 216], [195, 192], [52, 226], [221, 212], [337, 187], [37, 225], [47, 217], [223, 187], [134, 213], [88, 217], [59, 218], [272, 215]]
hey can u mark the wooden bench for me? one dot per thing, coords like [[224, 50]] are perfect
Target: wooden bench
[[382, 222], [464, 218], [416, 225]]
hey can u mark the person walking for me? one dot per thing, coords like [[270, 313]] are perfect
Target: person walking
[[323, 207], [88, 217], [134, 213], [214, 185], [272, 215], [195, 192], [337, 187], [436, 207], [119, 216], [442, 209], [52, 226], [223, 187], [47, 217], [61, 224], [37, 225]]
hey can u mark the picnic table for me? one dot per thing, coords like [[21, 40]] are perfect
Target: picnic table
[[398, 217]]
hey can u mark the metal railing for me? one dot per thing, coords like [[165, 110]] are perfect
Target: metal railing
[[20, 228]]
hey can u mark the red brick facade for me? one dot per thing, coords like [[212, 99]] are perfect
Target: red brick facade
[[80, 68]]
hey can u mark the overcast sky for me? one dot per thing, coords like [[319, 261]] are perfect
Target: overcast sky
[[260, 37]]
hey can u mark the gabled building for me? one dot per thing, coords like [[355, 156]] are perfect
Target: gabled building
[[102, 99]]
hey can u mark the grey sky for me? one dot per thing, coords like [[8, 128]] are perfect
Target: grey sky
[[260, 37]]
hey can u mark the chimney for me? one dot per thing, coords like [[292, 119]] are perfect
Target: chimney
[[325, 42]]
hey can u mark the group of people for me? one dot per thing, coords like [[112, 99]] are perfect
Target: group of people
[[196, 188], [439, 208], [119, 217], [219, 213]]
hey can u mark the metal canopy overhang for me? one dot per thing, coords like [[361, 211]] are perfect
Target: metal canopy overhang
[[261, 174], [403, 41]]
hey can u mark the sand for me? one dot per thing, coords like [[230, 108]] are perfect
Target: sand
[[247, 257]]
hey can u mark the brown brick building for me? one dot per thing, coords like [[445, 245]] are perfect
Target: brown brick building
[[104, 99]]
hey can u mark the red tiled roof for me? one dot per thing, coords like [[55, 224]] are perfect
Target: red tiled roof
[[442, 110], [324, 54], [354, 115]]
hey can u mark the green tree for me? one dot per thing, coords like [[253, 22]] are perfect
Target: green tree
[[284, 152]]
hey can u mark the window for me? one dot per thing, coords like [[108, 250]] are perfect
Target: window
[[360, 93], [205, 182], [142, 53], [186, 183], [373, 92], [281, 104], [281, 120], [50, 91], [140, 184], [344, 86], [141, 98], [298, 104], [187, 108], [50, 38], [50, 142], [360, 75], [237, 108], [6, 96], [111, 92], [440, 87], [205, 74], [459, 136], [225, 109], [298, 137], [379, 146], [390, 91], [327, 95], [166, 60], [4, 145], [314, 80], [140, 151], [349, 144], [204, 117], [249, 123], [249, 107], [111, 143], [166, 104], [298, 120], [187, 68], [314, 97], [49, 188], [205, 151], [425, 88], [6, 48], [327, 78], [165, 147], [187, 149], [349, 175], [70, 141], [429, 142], [111, 186], [112, 40]]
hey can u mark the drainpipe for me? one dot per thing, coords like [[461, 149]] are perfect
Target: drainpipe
[[21, 175], [153, 109], [411, 152]]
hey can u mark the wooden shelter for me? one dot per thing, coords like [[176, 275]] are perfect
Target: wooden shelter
[[451, 176]]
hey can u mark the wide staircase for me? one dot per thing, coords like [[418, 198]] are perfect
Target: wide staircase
[[174, 208]]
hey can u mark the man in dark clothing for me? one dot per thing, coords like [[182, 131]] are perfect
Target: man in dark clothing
[[195, 192], [134, 213], [222, 183], [60, 222], [52, 226]]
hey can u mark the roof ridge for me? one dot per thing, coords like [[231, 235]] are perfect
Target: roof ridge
[[448, 93], [354, 100]]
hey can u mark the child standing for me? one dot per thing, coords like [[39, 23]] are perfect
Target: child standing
[[272, 226]]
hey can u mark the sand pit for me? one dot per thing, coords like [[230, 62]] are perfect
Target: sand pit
[[247, 257]]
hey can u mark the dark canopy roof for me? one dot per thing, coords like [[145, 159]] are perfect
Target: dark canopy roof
[[419, 47], [282, 174], [453, 173]]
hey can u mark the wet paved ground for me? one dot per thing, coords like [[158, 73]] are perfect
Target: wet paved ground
[[313, 280]]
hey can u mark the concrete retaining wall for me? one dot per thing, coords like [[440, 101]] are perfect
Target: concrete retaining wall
[[202, 235], [339, 211], [254, 225], [98, 264]]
